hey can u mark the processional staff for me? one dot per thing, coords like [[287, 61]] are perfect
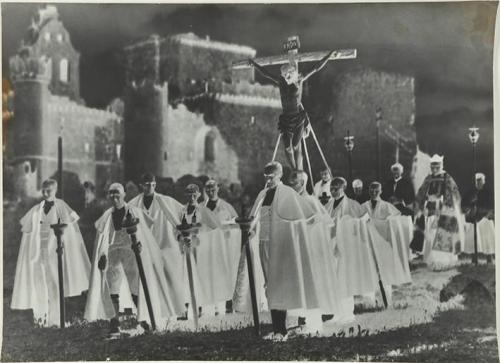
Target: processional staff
[[58, 231]]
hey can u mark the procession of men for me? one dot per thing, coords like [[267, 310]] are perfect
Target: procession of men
[[312, 253]]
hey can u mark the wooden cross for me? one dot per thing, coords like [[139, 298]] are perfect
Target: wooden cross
[[291, 47]]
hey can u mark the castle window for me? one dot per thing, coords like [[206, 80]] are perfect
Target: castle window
[[47, 36], [210, 147], [165, 156], [64, 70], [59, 38], [86, 147]]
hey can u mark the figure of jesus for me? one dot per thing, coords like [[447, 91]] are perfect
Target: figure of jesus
[[294, 121]]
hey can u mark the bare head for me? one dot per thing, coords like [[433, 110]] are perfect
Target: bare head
[[397, 170], [212, 189], [49, 189], [116, 194], [325, 175], [298, 181], [337, 187], [148, 183], [192, 193], [89, 189], [290, 73], [357, 186], [273, 173], [375, 190], [480, 180]]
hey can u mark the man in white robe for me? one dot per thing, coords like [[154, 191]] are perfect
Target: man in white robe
[[357, 267], [232, 234], [390, 249], [322, 255], [213, 283], [36, 284], [115, 275], [282, 219], [322, 187], [165, 212], [478, 206]]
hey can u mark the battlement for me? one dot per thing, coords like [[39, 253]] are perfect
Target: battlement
[[243, 87], [245, 100], [192, 40], [64, 105]]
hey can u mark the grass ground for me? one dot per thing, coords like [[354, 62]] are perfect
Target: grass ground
[[460, 334]]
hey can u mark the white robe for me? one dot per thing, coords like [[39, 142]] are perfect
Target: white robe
[[390, 234], [232, 235], [320, 188], [213, 283], [165, 212], [30, 282], [485, 237], [164, 303], [295, 280]]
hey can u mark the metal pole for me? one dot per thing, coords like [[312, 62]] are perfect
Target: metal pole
[[245, 223], [349, 161], [475, 259], [130, 224], [58, 231], [378, 149], [59, 168]]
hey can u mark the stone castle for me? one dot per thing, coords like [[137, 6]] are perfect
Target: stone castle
[[185, 111]]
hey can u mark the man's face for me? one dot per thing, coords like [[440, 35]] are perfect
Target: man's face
[[89, 196], [325, 176], [49, 192], [192, 197], [375, 191], [435, 168], [358, 190], [116, 197], [337, 191], [149, 187], [297, 184], [396, 173], [479, 183], [290, 74], [272, 179], [212, 191]]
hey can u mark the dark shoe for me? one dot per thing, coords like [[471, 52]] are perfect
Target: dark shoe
[[114, 326], [326, 317], [229, 307], [301, 321], [183, 317]]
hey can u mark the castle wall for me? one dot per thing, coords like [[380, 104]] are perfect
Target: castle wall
[[356, 97]]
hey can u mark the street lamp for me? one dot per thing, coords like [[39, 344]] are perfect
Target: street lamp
[[378, 120], [473, 138], [349, 145]]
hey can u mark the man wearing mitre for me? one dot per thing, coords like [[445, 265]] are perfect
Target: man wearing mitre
[[165, 212], [114, 282], [231, 249], [439, 201], [36, 284]]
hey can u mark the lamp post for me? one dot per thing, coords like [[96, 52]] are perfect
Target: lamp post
[[474, 137], [349, 146], [378, 120]]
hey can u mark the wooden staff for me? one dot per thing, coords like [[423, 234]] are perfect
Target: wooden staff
[[58, 231]]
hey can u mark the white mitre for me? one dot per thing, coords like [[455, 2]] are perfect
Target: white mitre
[[436, 159]]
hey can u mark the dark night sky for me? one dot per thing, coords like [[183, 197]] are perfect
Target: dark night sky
[[447, 47]]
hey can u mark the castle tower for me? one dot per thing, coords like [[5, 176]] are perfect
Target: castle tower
[[47, 37]]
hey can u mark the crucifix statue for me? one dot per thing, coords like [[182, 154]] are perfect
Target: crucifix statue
[[293, 122]]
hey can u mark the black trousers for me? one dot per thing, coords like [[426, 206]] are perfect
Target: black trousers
[[278, 318]]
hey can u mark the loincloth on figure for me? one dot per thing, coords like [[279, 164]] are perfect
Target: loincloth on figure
[[292, 127]]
